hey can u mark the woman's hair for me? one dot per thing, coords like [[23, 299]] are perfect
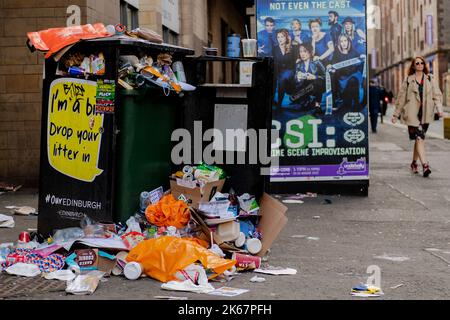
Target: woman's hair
[[412, 68], [299, 22], [349, 42], [308, 47], [288, 45], [311, 21], [352, 32]]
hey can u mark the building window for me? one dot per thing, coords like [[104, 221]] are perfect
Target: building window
[[128, 15], [421, 15], [170, 37], [429, 31], [374, 58]]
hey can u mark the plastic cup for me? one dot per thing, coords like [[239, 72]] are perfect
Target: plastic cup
[[240, 241], [249, 48], [233, 47], [133, 270], [254, 246]]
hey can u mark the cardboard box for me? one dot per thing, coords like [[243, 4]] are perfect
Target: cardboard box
[[246, 72], [93, 259], [194, 192], [272, 222]]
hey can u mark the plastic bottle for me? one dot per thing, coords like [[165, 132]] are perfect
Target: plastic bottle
[[68, 234]]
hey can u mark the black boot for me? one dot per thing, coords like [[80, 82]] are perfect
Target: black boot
[[426, 170]]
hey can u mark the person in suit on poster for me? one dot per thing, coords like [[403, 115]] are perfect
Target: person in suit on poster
[[298, 35], [321, 41], [285, 56], [267, 39], [335, 27], [348, 80], [309, 80]]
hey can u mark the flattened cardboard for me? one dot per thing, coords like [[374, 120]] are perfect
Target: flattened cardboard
[[197, 194], [91, 259], [272, 222]]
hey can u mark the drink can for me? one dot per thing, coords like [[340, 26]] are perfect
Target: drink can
[[14, 258], [188, 170], [75, 71], [234, 46], [145, 201], [245, 262], [24, 237]]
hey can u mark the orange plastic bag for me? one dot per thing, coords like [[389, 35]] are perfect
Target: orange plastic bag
[[168, 212], [162, 258], [54, 39]]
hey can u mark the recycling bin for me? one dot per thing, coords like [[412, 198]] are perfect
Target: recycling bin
[[145, 123], [101, 146]]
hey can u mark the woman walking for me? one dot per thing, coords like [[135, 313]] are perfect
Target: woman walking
[[418, 101]]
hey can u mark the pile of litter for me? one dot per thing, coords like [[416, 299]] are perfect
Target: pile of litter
[[186, 238]]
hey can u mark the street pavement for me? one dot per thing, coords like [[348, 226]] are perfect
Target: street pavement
[[333, 245]]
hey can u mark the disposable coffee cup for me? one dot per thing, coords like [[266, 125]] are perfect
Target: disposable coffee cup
[[245, 262], [249, 48], [254, 246], [120, 263], [239, 243], [133, 270]]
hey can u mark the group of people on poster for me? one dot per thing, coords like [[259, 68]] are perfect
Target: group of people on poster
[[303, 56]]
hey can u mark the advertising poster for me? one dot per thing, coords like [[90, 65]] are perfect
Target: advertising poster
[[320, 104], [74, 155]]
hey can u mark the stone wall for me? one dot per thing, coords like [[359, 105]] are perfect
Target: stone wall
[[21, 77]]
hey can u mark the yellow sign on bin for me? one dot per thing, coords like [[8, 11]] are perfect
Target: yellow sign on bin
[[74, 130]]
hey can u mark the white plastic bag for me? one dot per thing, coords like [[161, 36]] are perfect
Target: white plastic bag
[[62, 275], [24, 270], [187, 286], [6, 221], [84, 284], [216, 249], [194, 273], [133, 226]]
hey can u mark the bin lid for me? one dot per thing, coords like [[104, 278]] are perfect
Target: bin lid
[[121, 40]]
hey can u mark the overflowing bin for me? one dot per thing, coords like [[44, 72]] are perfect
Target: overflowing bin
[[102, 145]]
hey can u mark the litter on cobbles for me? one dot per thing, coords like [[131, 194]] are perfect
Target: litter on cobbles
[[183, 243], [197, 232], [366, 291]]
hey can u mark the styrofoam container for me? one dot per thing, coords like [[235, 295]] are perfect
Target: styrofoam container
[[229, 231]]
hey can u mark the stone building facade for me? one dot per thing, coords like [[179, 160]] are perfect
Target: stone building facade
[[411, 28], [188, 23]]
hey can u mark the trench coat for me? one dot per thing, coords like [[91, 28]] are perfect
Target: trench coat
[[408, 101]]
